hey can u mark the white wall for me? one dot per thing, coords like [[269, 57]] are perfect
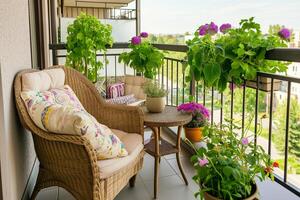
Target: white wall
[[16, 147], [122, 30]]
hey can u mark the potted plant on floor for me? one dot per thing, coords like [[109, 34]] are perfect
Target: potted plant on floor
[[234, 55], [193, 130], [143, 57], [156, 96], [87, 36], [227, 168]]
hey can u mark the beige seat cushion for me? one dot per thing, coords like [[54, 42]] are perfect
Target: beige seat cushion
[[133, 144]]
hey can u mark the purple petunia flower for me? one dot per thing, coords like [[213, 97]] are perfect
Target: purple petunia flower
[[225, 27], [144, 34], [232, 86], [203, 29], [245, 141], [202, 162], [136, 40], [284, 33], [213, 28]]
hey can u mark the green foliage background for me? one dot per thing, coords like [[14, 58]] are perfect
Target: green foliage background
[[87, 36]]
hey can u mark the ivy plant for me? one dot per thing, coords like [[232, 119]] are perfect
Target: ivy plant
[[87, 36], [143, 57], [235, 55]]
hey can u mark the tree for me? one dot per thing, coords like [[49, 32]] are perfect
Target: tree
[[294, 131], [294, 140]]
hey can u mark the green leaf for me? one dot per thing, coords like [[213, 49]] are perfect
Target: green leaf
[[212, 73], [235, 64], [227, 170]]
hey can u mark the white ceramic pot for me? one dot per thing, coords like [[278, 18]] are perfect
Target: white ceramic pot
[[155, 104]]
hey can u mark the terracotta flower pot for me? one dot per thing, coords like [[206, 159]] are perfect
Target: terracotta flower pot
[[253, 196], [193, 134], [155, 105]]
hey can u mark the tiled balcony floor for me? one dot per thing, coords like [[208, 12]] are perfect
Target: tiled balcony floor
[[171, 185]]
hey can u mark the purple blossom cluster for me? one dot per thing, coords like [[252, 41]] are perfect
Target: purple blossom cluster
[[136, 40], [194, 108], [225, 27], [285, 33], [212, 28]]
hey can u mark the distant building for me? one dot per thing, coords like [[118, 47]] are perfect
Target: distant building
[[296, 42], [118, 14]]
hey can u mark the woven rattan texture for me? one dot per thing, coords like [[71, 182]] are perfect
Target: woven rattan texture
[[70, 161]]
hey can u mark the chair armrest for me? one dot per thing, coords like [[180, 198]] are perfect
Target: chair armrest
[[126, 118], [67, 156]]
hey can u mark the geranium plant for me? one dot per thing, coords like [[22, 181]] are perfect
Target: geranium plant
[[234, 55], [200, 114], [143, 57], [87, 36], [228, 166]]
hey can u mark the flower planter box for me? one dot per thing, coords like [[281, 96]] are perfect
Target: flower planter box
[[264, 84]]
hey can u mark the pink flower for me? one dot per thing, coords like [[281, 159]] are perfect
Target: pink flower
[[136, 40], [202, 162], [232, 86], [245, 141]]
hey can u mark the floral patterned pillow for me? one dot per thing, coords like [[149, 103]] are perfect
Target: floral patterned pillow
[[63, 113], [66, 96]]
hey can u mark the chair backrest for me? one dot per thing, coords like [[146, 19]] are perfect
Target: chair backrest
[[83, 88], [134, 85]]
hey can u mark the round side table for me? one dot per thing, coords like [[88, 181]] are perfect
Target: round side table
[[158, 147]]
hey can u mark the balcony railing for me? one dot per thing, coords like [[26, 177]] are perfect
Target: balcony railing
[[222, 105], [101, 13]]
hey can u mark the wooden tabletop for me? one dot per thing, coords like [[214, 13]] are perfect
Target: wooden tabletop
[[169, 117]]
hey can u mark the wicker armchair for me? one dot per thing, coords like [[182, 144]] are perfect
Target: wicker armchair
[[69, 161]]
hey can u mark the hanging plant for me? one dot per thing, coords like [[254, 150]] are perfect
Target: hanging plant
[[234, 55]]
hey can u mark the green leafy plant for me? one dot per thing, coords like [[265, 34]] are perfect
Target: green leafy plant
[[86, 37], [228, 166], [143, 57], [154, 90], [235, 55]]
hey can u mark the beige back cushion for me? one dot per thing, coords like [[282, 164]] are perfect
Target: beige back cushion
[[133, 85], [43, 80]]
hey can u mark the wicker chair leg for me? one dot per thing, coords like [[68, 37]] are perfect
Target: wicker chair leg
[[132, 181]]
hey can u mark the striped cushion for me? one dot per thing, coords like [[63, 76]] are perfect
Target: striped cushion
[[115, 90], [128, 99]]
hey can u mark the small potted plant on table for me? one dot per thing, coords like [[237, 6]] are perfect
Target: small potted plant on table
[[156, 96], [227, 167], [193, 130]]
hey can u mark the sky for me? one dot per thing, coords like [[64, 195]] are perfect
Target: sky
[[180, 16]]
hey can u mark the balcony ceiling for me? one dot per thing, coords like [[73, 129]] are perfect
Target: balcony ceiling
[[96, 3]]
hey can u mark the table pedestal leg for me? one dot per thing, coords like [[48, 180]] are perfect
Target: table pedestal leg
[[178, 154], [156, 132]]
